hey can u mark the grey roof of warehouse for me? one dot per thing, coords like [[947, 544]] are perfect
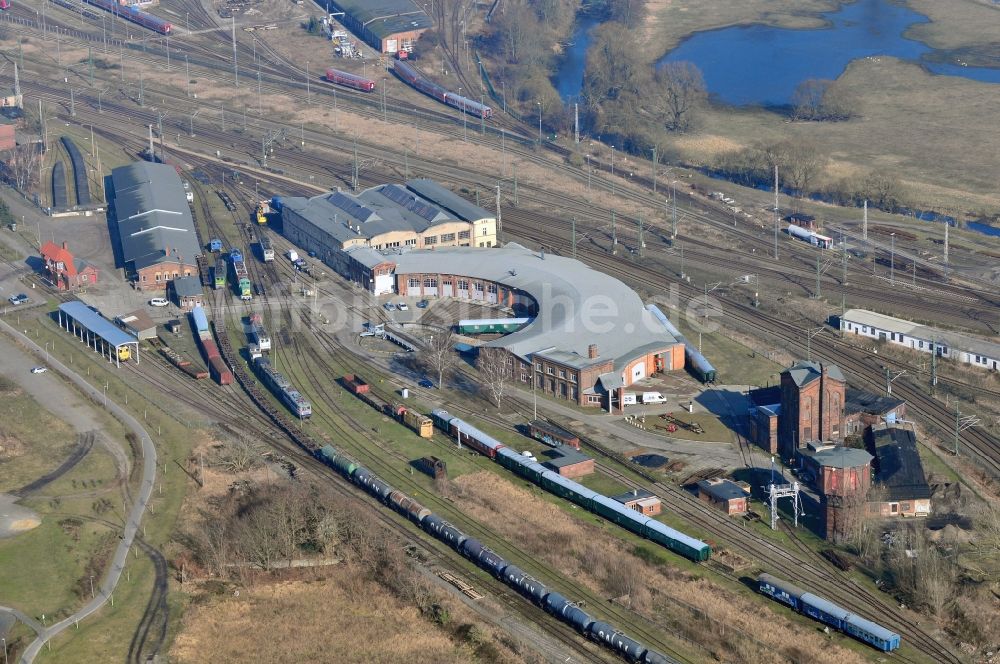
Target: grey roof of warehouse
[[386, 17], [722, 489], [578, 305], [900, 470], [152, 215], [416, 206], [923, 332]]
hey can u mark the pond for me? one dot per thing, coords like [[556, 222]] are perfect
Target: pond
[[569, 78], [762, 65]]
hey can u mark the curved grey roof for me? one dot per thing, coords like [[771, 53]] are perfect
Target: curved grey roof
[[153, 218], [578, 305]]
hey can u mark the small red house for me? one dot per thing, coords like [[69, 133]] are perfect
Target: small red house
[[65, 271]]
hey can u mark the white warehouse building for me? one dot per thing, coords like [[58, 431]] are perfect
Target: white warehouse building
[[959, 347]]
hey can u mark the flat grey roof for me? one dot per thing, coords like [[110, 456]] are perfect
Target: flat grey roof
[[565, 456], [900, 470], [577, 305], [188, 286], [955, 340], [724, 490], [96, 323], [152, 215], [629, 496], [839, 457]]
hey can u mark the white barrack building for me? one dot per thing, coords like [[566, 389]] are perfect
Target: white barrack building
[[959, 347]]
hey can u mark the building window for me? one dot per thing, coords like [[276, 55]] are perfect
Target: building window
[[479, 287], [572, 393], [430, 282], [485, 232], [463, 284], [552, 385], [492, 288], [921, 345], [540, 383], [143, 277], [413, 282], [448, 237], [550, 371], [562, 373], [538, 366], [563, 390], [411, 242], [430, 239], [157, 277], [572, 377], [463, 235]]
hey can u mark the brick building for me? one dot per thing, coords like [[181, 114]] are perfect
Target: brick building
[[812, 406], [568, 462], [725, 494], [64, 270], [863, 410], [641, 501], [389, 26], [188, 293], [152, 227], [899, 473]]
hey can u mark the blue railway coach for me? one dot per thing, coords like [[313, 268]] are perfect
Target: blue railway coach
[[828, 613]]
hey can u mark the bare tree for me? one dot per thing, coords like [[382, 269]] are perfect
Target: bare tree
[[862, 520], [678, 89], [496, 369], [241, 454], [22, 166], [987, 520], [802, 163], [820, 99], [439, 355]]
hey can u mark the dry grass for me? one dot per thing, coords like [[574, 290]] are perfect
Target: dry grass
[[606, 565], [341, 617]]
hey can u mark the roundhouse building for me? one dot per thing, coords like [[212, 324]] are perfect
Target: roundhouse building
[[591, 336]]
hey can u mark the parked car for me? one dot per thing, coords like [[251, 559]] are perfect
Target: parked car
[[159, 302], [389, 306], [14, 300], [402, 306], [425, 383], [38, 370], [422, 304]]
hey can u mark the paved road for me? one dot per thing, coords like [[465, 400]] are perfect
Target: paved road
[[112, 576]]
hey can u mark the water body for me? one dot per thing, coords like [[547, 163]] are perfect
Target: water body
[[762, 65], [569, 78], [985, 229]]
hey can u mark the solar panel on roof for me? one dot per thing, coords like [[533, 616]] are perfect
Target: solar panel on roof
[[404, 198], [350, 206]]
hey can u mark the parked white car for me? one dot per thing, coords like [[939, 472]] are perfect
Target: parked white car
[[159, 302], [38, 370]]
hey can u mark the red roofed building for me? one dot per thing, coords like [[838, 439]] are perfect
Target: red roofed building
[[65, 271]]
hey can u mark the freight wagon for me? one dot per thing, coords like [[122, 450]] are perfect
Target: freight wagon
[[184, 365], [421, 424], [827, 612], [533, 471], [217, 367], [350, 80], [135, 15], [554, 603]]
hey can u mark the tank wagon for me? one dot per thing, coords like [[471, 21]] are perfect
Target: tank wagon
[[241, 278], [812, 237], [827, 612], [282, 388], [552, 435], [601, 505], [694, 361], [258, 333], [554, 603], [216, 365], [135, 15], [561, 607], [409, 75], [416, 421], [350, 80]]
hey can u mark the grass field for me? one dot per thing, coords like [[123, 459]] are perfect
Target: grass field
[[34, 441], [107, 635]]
